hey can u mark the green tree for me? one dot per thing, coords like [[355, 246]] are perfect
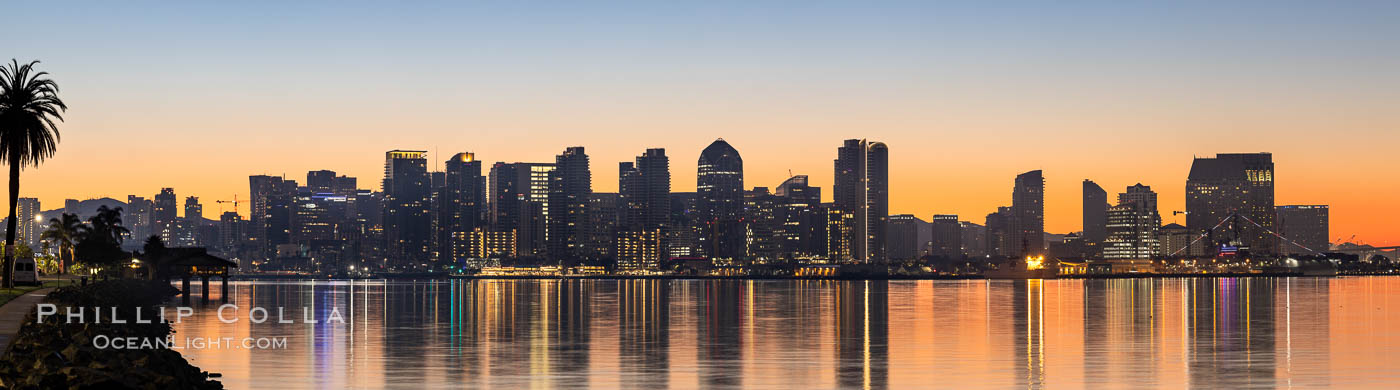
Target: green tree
[[29, 105], [63, 231]]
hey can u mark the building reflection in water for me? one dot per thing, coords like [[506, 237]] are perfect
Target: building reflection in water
[[863, 328], [644, 323], [1174, 333]]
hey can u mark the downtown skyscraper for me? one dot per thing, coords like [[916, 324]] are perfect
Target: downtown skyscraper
[[862, 188], [1095, 215], [1133, 225], [719, 187], [1027, 230], [407, 216], [1233, 184], [570, 185], [519, 204], [460, 203], [644, 187]]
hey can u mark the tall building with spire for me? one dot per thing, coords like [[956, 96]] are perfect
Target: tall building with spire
[[862, 188], [719, 187]]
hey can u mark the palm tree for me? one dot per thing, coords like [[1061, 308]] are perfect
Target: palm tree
[[29, 104], [64, 233]]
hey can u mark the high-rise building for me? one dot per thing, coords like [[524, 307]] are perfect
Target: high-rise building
[[719, 187], [70, 206], [839, 224], [28, 222], [603, 224], [167, 224], [1305, 228], [902, 238], [520, 203], [1133, 225], [137, 214], [570, 185], [761, 219], [165, 207], [974, 239], [1095, 218], [638, 250], [322, 181], [645, 187], [947, 236], [230, 233], [407, 218], [461, 199], [801, 231], [998, 232], [862, 186], [1174, 240], [1233, 184], [194, 212], [1027, 233], [681, 237], [270, 200]]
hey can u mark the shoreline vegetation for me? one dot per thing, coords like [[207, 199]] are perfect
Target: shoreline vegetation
[[56, 354]]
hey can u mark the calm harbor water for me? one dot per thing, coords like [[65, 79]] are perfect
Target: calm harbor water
[[1197, 332]]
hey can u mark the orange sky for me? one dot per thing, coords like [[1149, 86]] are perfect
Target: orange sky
[[199, 96]]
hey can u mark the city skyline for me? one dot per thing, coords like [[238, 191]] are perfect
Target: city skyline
[[217, 206], [962, 105]]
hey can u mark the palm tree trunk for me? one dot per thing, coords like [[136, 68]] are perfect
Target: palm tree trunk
[[11, 226]]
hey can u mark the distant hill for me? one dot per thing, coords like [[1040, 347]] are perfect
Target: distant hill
[[86, 208]]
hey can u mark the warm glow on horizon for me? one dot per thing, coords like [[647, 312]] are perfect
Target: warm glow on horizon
[[181, 98]]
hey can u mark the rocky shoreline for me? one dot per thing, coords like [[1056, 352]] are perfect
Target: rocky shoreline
[[56, 354]]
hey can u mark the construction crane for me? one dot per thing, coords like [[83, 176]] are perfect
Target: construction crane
[[234, 202]]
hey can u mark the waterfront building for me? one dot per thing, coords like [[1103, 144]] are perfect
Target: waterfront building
[[638, 250], [761, 217], [1226, 184], [902, 237], [862, 187], [460, 203], [604, 223], [947, 237], [1027, 224], [1133, 225], [569, 188], [839, 224], [1306, 228], [719, 187], [998, 233], [974, 239], [801, 226], [407, 214], [1095, 219], [270, 200]]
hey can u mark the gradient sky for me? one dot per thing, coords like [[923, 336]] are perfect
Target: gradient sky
[[199, 96]]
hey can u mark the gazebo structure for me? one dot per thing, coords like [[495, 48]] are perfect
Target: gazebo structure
[[197, 262]]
